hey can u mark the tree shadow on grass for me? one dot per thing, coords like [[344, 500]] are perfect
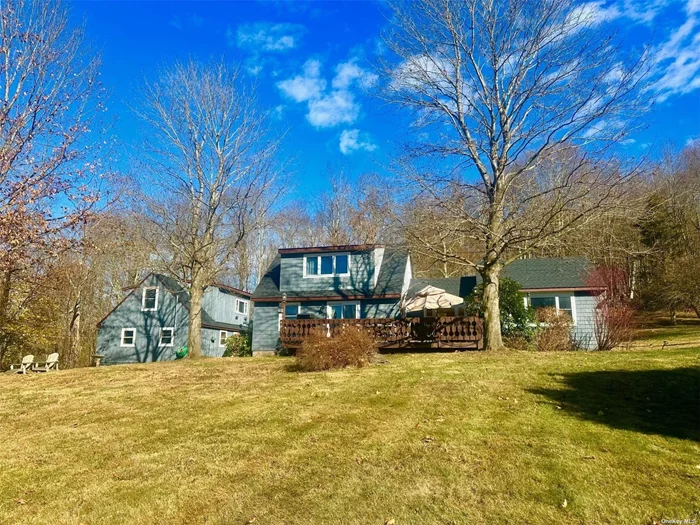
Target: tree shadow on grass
[[664, 402]]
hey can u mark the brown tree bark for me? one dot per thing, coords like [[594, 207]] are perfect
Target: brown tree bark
[[493, 339], [194, 335], [5, 285]]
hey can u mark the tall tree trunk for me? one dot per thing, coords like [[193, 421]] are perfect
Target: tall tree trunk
[[6, 280], [74, 333], [492, 310], [194, 335], [674, 316], [5, 284], [492, 271]]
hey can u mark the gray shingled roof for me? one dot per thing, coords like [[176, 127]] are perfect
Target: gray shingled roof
[[392, 271], [531, 274], [389, 280], [460, 286], [269, 285]]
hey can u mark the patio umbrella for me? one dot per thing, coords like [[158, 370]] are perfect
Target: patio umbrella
[[432, 298]]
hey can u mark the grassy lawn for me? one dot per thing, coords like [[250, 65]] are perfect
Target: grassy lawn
[[654, 329], [427, 438]]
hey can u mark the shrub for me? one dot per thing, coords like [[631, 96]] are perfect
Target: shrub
[[351, 346], [553, 330], [517, 342], [238, 346], [517, 320], [614, 316], [613, 324]]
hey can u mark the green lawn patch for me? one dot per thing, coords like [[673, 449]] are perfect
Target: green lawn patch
[[427, 438]]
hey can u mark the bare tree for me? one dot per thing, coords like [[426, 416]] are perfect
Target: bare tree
[[355, 210], [333, 209], [519, 102], [50, 99], [670, 230], [212, 164]]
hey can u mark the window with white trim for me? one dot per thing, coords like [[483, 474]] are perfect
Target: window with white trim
[[241, 306], [223, 335], [166, 336], [343, 310], [561, 302], [149, 299], [128, 337], [327, 265]]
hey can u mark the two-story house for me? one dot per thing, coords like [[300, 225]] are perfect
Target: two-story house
[[151, 323], [373, 281], [333, 282]]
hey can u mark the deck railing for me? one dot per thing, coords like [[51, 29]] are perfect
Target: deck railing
[[432, 332]]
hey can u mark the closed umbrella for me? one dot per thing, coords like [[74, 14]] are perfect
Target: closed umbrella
[[432, 298]]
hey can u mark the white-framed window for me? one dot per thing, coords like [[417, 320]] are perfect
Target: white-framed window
[[167, 336], [149, 299], [327, 265], [223, 335], [128, 337], [343, 310], [241, 306], [561, 302], [291, 310]]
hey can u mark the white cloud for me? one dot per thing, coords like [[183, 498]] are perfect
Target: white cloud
[[677, 68], [349, 72], [307, 86], [328, 108], [423, 71], [266, 36], [338, 107], [676, 61], [350, 141], [598, 12]]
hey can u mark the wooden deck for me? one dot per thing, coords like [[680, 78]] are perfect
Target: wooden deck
[[411, 332]]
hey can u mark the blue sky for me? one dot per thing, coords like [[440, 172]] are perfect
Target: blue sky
[[313, 64]]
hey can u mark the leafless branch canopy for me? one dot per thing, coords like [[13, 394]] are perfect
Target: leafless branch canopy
[[212, 165], [519, 102]]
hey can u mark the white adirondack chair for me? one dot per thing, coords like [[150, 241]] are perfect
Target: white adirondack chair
[[24, 366], [51, 363]]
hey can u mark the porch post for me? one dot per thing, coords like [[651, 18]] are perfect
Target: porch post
[[284, 305]]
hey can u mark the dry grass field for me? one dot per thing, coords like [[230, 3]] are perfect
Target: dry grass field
[[426, 438]]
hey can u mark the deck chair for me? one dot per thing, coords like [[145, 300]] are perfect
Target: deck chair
[[24, 366], [51, 363]]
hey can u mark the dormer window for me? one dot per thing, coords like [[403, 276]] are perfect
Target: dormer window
[[149, 299], [331, 265]]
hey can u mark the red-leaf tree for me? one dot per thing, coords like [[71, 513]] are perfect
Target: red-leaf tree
[[614, 315]]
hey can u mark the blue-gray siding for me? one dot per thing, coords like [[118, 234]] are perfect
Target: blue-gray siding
[[220, 304], [360, 279], [584, 330], [171, 313], [380, 308], [265, 327], [147, 324]]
